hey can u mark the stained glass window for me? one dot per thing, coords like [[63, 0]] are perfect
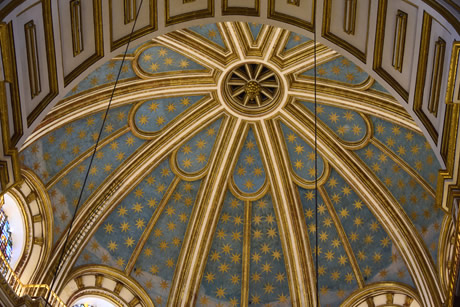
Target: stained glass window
[[6, 244]]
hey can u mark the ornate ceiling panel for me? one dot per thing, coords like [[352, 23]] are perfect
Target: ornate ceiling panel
[[210, 142]]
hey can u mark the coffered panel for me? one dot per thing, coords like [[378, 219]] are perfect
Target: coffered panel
[[431, 76], [184, 10], [349, 28], [395, 42], [297, 12], [34, 44], [232, 7], [122, 15], [81, 35]]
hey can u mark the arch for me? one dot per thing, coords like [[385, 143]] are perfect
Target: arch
[[94, 299], [12, 210], [105, 282], [383, 294], [35, 211]]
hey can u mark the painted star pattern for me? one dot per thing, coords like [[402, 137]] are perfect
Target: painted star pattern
[[155, 266], [345, 124], [249, 173], [117, 237], [341, 70], [301, 155], [160, 59], [194, 154], [295, 40], [155, 114], [210, 32]]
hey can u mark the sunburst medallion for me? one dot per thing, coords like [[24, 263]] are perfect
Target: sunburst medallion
[[252, 88]]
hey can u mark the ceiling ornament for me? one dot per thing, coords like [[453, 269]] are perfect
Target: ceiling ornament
[[252, 88]]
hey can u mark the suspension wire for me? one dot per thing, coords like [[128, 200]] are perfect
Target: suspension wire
[[92, 158], [316, 174]]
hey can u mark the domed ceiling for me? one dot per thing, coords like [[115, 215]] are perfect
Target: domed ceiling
[[211, 136]]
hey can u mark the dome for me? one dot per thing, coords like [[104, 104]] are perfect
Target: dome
[[213, 177]]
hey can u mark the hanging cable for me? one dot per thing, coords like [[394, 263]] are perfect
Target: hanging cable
[[92, 158], [316, 174]]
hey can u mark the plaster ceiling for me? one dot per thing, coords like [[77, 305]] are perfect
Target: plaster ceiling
[[171, 97]]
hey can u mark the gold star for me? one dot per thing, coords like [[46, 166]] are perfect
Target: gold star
[[201, 144], [298, 164], [162, 52], [160, 120], [108, 228], [266, 267], [335, 275], [120, 261], [210, 277], [291, 138], [223, 267], [185, 101], [112, 246], [148, 252], [333, 117], [124, 227], [276, 255], [154, 67], [169, 263], [220, 292], [140, 223], [137, 207], [268, 288], [129, 242], [153, 106], [171, 107], [249, 184], [183, 64], [143, 119]]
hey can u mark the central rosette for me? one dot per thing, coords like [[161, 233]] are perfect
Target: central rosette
[[252, 89]]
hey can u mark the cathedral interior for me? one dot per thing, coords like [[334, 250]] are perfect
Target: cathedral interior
[[230, 153]]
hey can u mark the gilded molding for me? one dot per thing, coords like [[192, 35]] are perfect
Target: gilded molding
[[421, 77], [10, 76], [289, 214], [453, 72], [198, 239], [258, 47]]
